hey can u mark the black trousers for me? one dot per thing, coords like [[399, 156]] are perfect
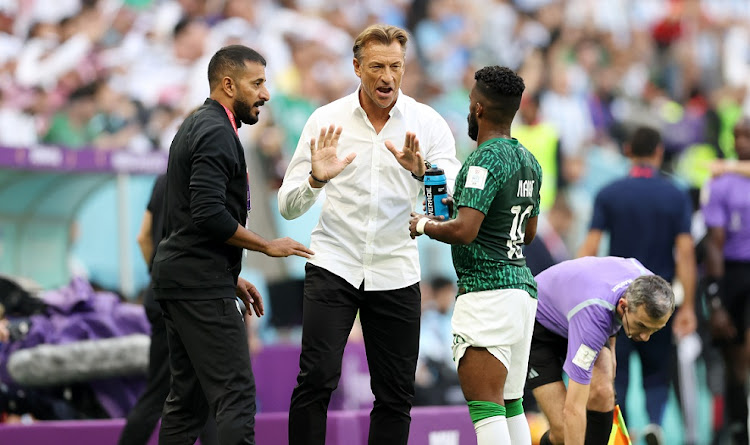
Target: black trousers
[[145, 414], [390, 326], [209, 361]]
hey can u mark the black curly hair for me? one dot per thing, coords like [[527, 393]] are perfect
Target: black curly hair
[[502, 88]]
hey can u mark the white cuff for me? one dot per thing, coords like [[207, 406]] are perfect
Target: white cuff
[[420, 225]]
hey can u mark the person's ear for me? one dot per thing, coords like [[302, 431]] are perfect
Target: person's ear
[[479, 110], [227, 84]]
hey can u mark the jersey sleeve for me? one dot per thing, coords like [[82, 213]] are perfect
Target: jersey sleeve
[[538, 200], [586, 337], [480, 187]]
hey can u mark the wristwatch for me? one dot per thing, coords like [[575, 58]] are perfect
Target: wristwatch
[[427, 166]]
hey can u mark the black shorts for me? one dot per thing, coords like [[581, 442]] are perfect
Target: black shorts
[[736, 297], [547, 356]]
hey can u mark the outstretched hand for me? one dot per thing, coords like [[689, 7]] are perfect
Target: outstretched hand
[[283, 247], [410, 157], [323, 157]]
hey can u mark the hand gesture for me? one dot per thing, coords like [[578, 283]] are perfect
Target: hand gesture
[[410, 157], [250, 296], [325, 162], [283, 247], [685, 322]]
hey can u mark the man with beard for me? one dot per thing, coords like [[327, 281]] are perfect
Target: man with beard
[[196, 268], [365, 261], [497, 197]]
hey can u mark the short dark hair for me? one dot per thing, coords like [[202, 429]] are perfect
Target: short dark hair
[[229, 61], [644, 141], [502, 87]]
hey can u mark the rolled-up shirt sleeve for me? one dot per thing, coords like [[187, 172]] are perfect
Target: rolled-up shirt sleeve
[[296, 195], [442, 150], [213, 162]]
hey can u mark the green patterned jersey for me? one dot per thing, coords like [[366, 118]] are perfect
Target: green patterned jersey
[[501, 179]]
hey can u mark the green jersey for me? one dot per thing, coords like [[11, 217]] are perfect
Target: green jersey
[[501, 179]]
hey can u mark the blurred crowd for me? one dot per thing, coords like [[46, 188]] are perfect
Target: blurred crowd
[[121, 74]]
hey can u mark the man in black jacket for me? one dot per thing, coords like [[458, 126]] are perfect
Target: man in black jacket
[[196, 268]]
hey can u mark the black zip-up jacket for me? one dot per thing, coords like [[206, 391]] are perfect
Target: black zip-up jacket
[[206, 197]]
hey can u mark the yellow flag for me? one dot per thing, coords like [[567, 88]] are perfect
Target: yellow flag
[[619, 434]]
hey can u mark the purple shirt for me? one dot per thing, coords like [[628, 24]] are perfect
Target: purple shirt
[[577, 300], [727, 205]]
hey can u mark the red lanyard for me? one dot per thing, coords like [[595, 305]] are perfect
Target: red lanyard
[[231, 119]]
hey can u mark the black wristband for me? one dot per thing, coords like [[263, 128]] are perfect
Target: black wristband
[[427, 166], [318, 180]]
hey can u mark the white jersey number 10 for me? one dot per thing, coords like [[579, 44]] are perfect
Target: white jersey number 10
[[517, 231]]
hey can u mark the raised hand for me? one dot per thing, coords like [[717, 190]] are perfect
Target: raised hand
[[410, 157], [283, 247], [325, 162]]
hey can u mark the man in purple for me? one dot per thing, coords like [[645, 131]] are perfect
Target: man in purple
[[582, 304], [726, 211]]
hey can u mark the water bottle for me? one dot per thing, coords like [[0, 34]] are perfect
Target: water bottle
[[435, 189]]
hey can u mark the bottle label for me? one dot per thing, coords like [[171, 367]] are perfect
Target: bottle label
[[434, 195]]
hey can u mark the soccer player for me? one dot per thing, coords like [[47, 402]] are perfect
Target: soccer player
[[726, 210], [497, 197], [583, 303]]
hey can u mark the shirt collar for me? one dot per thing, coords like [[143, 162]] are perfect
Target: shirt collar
[[643, 171]]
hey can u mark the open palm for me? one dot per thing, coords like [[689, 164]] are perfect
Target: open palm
[[325, 161], [410, 157]]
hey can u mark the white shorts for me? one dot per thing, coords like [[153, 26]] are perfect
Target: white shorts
[[501, 321]]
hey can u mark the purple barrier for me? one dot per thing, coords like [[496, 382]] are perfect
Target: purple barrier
[[429, 426], [45, 157], [276, 369]]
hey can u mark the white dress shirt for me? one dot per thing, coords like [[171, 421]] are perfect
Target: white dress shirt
[[363, 231]]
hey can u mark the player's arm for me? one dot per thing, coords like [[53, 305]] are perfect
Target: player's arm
[[715, 240], [530, 233], [685, 319], [574, 413], [599, 223], [590, 245], [723, 166], [145, 239], [461, 230]]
